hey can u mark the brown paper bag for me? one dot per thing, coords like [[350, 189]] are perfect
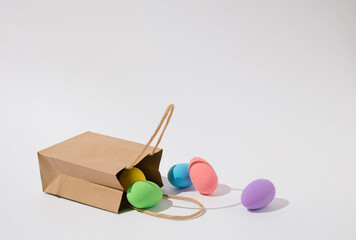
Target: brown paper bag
[[85, 168]]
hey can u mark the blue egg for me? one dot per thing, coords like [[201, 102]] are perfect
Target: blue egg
[[178, 175]]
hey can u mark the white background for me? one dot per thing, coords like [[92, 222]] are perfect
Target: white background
[[262, 89]]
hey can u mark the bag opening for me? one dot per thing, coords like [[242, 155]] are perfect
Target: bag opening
[[149, 165]]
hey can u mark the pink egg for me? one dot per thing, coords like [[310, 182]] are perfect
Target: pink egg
[[202, 175]]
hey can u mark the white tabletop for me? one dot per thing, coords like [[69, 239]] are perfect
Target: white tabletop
[[262, 89]]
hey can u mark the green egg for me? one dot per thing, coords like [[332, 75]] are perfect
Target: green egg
[[144, 194]]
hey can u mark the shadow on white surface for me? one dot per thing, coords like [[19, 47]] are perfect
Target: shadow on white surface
[[221, 190], [171, 190], [210, 208], [276, 204], [164, 204]]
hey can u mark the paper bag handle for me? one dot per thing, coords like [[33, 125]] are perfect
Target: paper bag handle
[[167, 115], [176, 217]]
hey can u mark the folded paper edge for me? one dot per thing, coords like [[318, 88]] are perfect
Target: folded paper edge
[[85, 192]]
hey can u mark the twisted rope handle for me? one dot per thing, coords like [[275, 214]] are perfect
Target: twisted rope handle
[[167, 115], [175, 217]]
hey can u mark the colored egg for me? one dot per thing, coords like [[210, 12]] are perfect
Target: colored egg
[[258, 194], [178, 175], [202, 175], [144, 194], [129, 176]]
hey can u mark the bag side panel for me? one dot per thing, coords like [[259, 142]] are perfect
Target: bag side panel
[[86, 192], [54, 166], [47, 170]]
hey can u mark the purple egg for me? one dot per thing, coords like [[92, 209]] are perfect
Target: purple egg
[[258, 194]]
